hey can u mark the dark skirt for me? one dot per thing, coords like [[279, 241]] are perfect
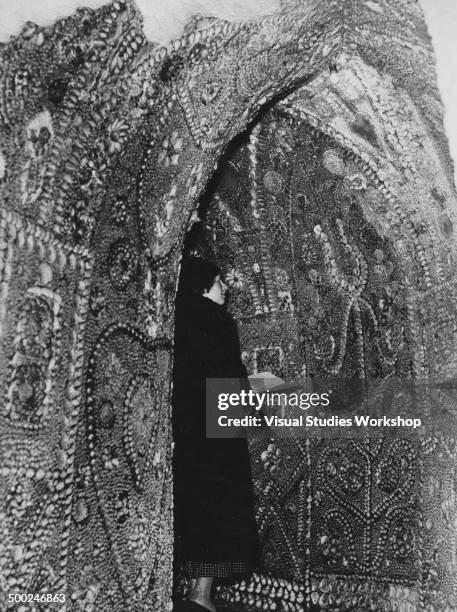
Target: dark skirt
[[216, 531]]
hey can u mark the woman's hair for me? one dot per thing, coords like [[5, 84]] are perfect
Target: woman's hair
[[197, 274]]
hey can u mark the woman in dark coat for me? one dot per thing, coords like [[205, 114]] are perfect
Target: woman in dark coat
[[214, 511]]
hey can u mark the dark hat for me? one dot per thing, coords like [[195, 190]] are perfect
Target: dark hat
[[197, 274]]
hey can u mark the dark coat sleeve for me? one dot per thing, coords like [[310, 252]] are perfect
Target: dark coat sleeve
[[204, 350]]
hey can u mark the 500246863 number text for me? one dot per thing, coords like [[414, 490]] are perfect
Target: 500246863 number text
[[38, 597]]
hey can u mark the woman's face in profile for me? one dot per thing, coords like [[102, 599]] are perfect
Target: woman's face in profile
[[216, 292]]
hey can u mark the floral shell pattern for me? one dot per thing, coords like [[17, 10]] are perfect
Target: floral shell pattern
[[296, 215]]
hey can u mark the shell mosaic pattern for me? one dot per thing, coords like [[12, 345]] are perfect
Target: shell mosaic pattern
[[332, 249], [333, 217]]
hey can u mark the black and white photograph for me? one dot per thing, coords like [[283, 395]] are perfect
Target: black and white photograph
[[228, 306]]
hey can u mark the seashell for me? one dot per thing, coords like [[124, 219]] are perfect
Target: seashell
[[30, 242], [29, 30], [20, 238], [2, 166], [62, 460], [18, 553], [46, 275], [39, 39], [81, 511]]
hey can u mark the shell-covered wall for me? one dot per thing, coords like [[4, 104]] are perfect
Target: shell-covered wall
[[334, 221]]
